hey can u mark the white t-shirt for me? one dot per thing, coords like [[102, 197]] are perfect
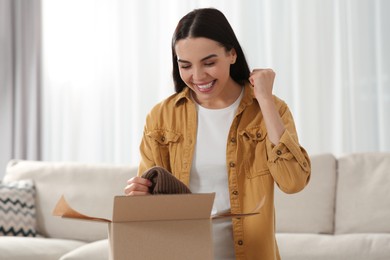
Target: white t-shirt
[[209, 172]]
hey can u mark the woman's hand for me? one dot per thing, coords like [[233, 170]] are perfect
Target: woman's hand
[[137, 186], [263, 82]]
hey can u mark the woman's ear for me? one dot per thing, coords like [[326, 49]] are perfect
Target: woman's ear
[[233, 55]]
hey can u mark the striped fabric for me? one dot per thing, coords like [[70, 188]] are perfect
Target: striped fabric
[[17, 209]]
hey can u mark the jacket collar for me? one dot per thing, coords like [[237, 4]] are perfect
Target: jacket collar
[[248, 97], [184, 94]]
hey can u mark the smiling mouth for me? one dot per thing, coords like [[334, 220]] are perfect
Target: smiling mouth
[[205, 86]]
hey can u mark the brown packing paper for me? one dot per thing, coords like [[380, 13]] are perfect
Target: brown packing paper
[[62, 209]]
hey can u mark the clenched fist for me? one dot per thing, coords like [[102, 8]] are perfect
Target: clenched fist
[[263, 82]]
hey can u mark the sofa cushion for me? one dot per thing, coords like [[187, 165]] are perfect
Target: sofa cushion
[[312, 209], [363, 197], [28, 248], [334, 247], [98, 250], [17, 209], [89, 188]]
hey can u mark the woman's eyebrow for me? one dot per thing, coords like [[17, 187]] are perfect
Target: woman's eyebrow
[[203, 59]]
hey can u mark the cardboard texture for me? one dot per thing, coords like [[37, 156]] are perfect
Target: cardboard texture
[[158, 226], [155, 227]]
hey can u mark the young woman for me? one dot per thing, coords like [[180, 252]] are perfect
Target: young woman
[[225, 132]]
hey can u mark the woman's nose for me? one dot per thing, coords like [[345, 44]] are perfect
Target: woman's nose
[[198, 74]]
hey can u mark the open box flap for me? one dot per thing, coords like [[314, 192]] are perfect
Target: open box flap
[[228, 214], [62, 209], [163, 207], [156, 207]]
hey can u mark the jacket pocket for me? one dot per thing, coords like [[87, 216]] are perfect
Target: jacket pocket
[[165, 147], [251, 172], [255, 154], [254, 134]]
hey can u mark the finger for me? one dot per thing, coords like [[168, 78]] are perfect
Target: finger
[[136, 187], [261, 70], [140, 180], [256, 70], [251, 81]]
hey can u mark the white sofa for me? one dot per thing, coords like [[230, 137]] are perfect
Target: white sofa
[[90, 188], [344, 213]]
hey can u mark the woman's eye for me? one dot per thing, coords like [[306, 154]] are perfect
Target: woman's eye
[[209, 63], [185, 66]]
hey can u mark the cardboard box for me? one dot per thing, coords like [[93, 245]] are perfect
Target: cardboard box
[[157, 226]]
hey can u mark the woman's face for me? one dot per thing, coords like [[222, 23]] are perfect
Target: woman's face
[[204, 66]]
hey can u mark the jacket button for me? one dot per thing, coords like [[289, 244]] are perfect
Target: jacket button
[[258, 135], [235, 192], [278, 152], [240, 242], [232, 164], [233, 140], [162, 138]]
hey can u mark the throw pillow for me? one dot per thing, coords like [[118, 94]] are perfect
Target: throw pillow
[[17, 209]]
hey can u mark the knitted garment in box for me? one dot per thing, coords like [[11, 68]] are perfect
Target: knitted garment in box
[[164, 182]]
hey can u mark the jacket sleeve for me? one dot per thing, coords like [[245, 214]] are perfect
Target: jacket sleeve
[[288, 162]]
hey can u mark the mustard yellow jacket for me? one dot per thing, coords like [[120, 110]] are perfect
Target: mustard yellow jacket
[[253, 163]]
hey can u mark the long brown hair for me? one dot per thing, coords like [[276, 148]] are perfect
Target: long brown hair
[[212, 24]]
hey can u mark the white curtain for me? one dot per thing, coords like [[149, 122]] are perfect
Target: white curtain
[[20, 88], [106, 63]]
